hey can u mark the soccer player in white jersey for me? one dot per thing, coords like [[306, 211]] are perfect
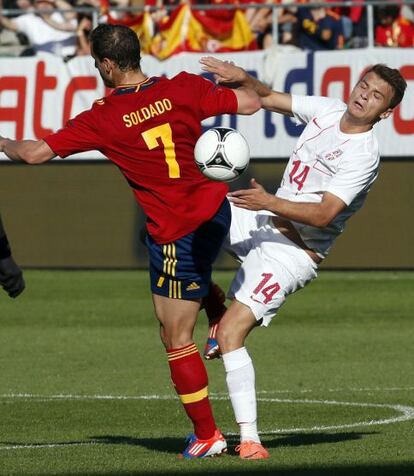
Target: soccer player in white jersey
[[281, 239]]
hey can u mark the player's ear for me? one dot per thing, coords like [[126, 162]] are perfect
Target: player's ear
[[107, 64], [386, 113]]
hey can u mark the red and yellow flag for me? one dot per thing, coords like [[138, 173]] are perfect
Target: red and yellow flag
[[172, 34], [214, 31]]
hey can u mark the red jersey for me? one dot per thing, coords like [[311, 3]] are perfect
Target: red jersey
[[149, 131]]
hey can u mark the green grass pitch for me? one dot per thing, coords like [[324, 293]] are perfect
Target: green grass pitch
[[85, 388]]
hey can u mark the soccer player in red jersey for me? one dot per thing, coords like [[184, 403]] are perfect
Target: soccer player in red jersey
[[11, 276], [148, 127]]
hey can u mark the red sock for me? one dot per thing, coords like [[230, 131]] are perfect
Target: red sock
[[190, 380]]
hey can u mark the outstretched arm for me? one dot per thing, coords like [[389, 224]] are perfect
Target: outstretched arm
[[314, 214], [228, 73], [29, 151]]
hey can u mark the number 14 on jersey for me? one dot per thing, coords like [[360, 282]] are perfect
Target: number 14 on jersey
[[298, 173]]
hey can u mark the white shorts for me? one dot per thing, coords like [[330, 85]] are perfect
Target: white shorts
[[272, 266]]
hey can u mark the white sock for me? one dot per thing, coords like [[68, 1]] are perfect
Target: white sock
[[240, 379]]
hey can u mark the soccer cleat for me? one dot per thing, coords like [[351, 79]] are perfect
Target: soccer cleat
[[215, 309], [252, 450], [212, 349], [214, 446]]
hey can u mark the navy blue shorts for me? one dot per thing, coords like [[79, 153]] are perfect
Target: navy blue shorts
[[182, 269]]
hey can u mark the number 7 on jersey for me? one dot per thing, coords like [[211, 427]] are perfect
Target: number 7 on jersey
[[164, 133]]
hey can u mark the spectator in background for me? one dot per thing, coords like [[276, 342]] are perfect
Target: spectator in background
[[47, 31], [261, 22], [358, 16], [392, 29], [84, 26], [354, 23], [319, 29], [343, 13]]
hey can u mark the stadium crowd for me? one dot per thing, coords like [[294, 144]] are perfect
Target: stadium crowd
[[166, 27]]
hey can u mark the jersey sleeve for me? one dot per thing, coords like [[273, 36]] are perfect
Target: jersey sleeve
[[304, 108], [78, 135], [213, 99], [355, 174]]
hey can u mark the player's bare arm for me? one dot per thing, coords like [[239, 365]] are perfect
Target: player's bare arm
[[228, 73], [248, 101], [314, 214], [29, 151]]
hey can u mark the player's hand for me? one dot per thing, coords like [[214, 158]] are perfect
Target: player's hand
[[254, 198], [223, 71], [11, 277]]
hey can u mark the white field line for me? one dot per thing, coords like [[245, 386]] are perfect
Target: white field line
[[50, 445], [65, 396], [406, 413], [335, 390], [68, 396]]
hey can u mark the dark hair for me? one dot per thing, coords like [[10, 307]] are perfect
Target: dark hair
[[117, 43], [394, 78]]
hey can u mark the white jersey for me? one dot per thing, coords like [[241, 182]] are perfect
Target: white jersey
[[327, 160], [44, 37]]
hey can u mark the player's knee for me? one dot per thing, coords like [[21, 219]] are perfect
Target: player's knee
[[221, 335], [229, 338], [175, 339]]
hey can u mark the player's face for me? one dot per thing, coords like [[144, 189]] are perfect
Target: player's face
[[370, 99]]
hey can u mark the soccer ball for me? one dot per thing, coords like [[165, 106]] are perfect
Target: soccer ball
[[222, 154]]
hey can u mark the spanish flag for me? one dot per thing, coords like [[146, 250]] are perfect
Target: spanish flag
[[172, 34], [229, 32], [191, 30]]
